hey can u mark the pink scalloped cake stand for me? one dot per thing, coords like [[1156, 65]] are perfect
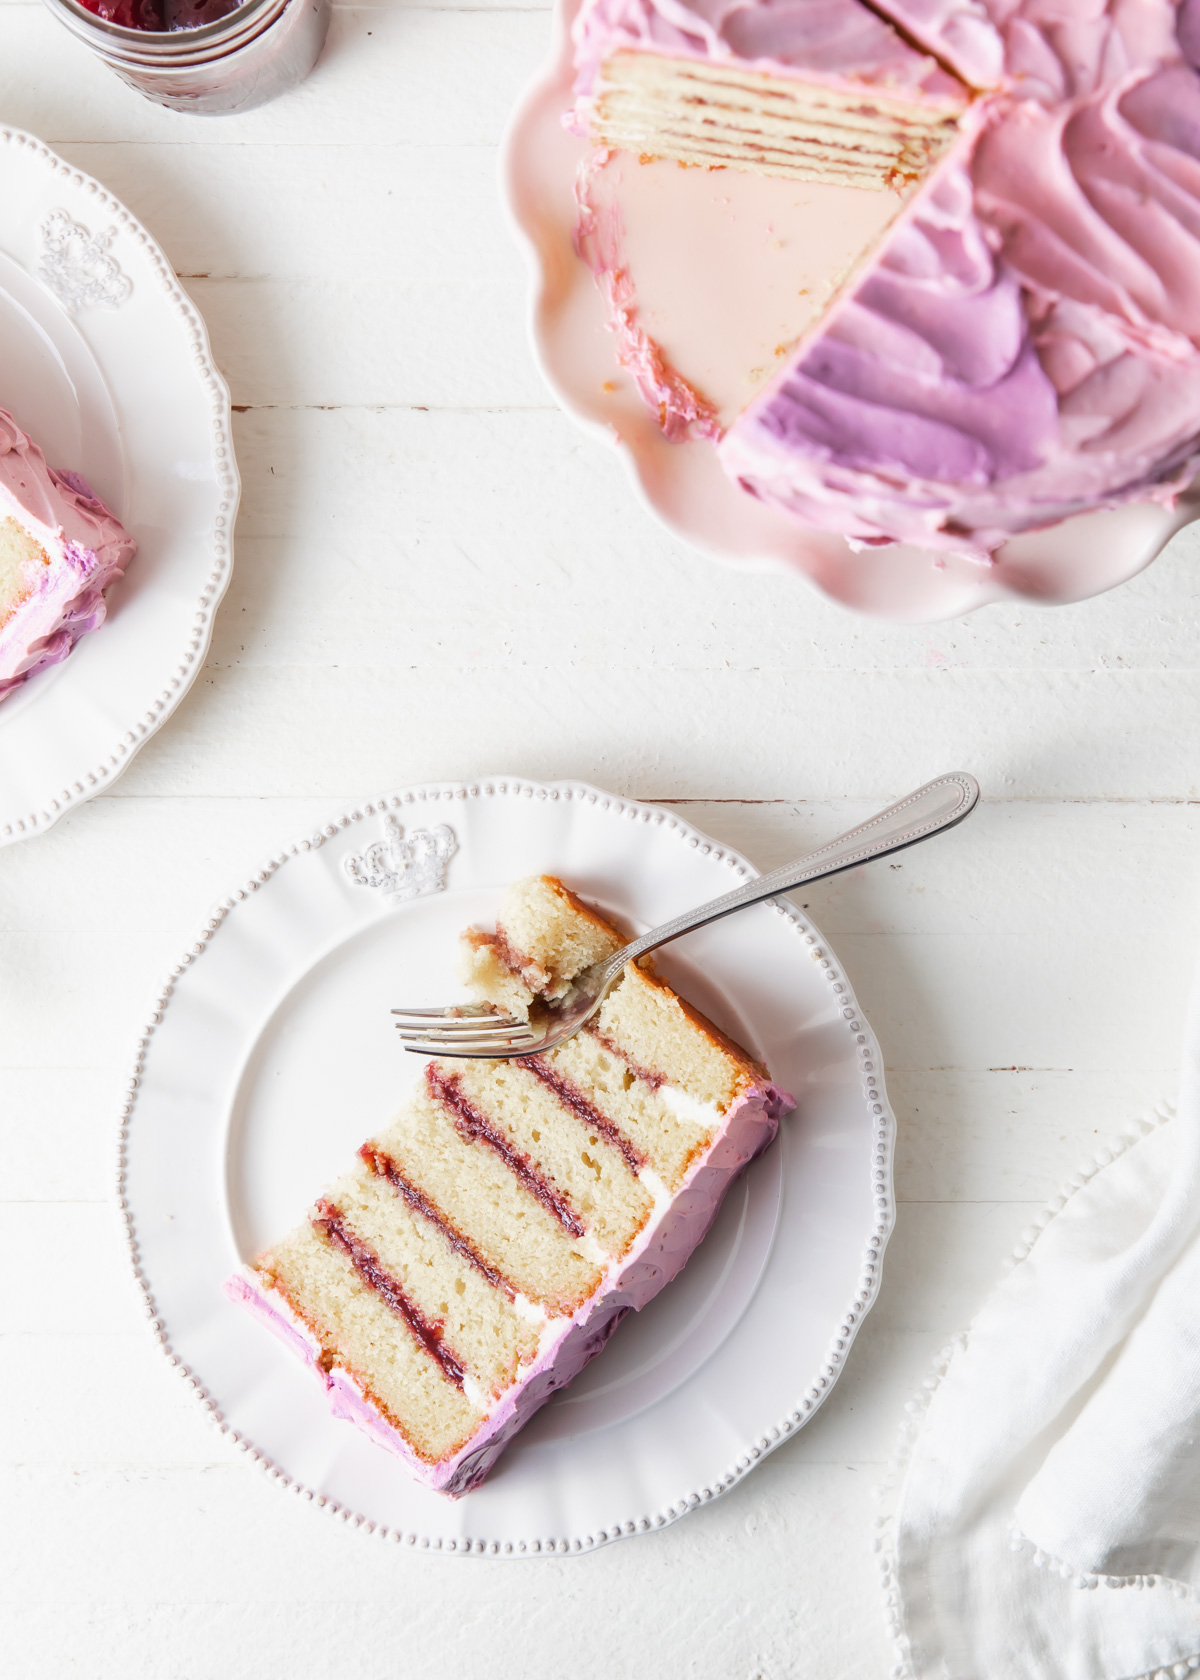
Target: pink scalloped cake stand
[[683, 484]]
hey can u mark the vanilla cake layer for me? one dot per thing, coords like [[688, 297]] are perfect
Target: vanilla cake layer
[[446, 1282], [666, 1134], [654, 1028], [325, 1275], [545, 1117], [491, 1237], [519, 1221], [723, 115]]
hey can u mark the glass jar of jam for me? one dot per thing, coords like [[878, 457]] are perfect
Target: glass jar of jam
[[208, 56]]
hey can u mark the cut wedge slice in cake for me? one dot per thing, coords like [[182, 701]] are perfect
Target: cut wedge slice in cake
[[60, 549], [711, 277], [804, 129], [487, 1242], [1009, 339]]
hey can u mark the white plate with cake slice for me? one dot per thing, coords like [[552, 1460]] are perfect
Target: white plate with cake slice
[[105, 362], [724, 269], [270, 1055]]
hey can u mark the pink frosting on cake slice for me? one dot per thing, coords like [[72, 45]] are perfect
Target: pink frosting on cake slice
[[658, 1255], [71, 548]]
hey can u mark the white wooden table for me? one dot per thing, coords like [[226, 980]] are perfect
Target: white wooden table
[[437, 576]]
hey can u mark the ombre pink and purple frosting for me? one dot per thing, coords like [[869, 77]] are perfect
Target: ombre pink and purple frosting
[[568, 1344], [82, 548], [1025, 344]]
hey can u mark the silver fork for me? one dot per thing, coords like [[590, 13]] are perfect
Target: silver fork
[[476, 1029]]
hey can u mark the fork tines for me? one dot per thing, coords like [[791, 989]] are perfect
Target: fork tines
[[471, 1030], [458, 1012]]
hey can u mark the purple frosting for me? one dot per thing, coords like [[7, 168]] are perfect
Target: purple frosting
[[845, 399], [1028, 346]]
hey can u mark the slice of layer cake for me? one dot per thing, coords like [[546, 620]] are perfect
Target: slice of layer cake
[[60, 548], [824, 101], [487, 1241]]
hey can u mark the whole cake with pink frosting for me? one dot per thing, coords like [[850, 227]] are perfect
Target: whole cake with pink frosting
[[490, 1238], [60, 549], [1018, 340]]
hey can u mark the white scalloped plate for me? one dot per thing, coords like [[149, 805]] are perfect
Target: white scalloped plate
[[271, 1055], [121, 388], [683, 484]]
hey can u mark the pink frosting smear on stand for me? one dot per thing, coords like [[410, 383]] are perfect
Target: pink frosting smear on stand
[[657, 1256], [71, 549], [1023, 343]]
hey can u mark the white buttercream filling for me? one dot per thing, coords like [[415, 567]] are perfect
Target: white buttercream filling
[[687, 1107], [591, 1250], [662, 1196], [481, 1401], [529, 1310]]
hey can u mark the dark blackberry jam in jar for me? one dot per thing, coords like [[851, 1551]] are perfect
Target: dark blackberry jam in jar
[[159, 17], [206, 56]]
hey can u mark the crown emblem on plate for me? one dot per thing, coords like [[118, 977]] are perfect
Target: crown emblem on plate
[[404, 866], [77, 267]]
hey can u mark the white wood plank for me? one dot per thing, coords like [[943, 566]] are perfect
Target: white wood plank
[[969, 1136], [448, 533], [410, 215], [289, 730], [420, 77], [64, 1268], [57, 1142], [138, 1412], [374, 341], [943, 1259], [1034, 927], [197, 1573]]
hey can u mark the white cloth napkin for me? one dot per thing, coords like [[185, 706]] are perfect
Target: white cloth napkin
[[1045, 1519]]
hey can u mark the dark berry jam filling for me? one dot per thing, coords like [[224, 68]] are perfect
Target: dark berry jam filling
[[161, 17]]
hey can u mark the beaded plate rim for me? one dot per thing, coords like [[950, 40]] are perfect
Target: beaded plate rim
[[872, 1081], [24, 824]]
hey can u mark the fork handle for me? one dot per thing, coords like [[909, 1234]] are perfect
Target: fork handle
[[938, 805]]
